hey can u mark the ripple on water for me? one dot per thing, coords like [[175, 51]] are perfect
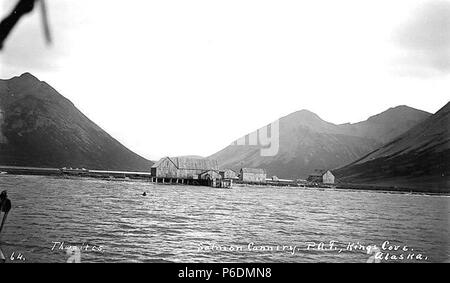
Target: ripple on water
[[171, 222]]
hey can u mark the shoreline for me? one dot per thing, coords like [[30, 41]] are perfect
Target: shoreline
[[53, 172], [354, 187]]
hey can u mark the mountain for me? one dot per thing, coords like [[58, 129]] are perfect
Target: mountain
[[308, 143], [387, 125], [418, 158], [41, 128]]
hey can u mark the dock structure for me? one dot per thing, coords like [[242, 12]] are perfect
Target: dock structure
[[170, 171], [73, 172], [188, 171], [121, 174], [104, 174], [22, 170]]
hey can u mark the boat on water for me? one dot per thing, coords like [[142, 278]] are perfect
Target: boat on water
[[3, 173]]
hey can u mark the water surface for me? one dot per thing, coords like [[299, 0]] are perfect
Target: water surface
[[202, 224]]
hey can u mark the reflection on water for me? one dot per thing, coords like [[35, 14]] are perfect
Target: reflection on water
[[112, 222]]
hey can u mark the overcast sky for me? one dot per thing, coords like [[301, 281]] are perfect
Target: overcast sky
[[178, 77]]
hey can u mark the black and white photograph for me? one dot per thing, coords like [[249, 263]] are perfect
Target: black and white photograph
[[224, 132]]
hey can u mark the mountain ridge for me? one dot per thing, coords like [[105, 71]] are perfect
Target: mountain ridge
[[39, 127], [418, 157], [308, 143]]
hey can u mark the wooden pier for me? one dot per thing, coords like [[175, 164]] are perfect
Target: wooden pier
[[115, 175]]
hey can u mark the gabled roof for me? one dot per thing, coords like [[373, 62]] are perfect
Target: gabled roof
[[158, 163], [209, 171], [190, 163]]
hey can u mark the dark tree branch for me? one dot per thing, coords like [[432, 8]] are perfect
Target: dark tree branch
[[22, 8]]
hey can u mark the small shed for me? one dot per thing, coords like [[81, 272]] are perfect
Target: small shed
[[210, 175], [328, 177], [325, 177], [210, 178], [229, 174], [253, 175]]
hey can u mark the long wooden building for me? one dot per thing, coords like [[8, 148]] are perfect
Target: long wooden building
[[183, 167]]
